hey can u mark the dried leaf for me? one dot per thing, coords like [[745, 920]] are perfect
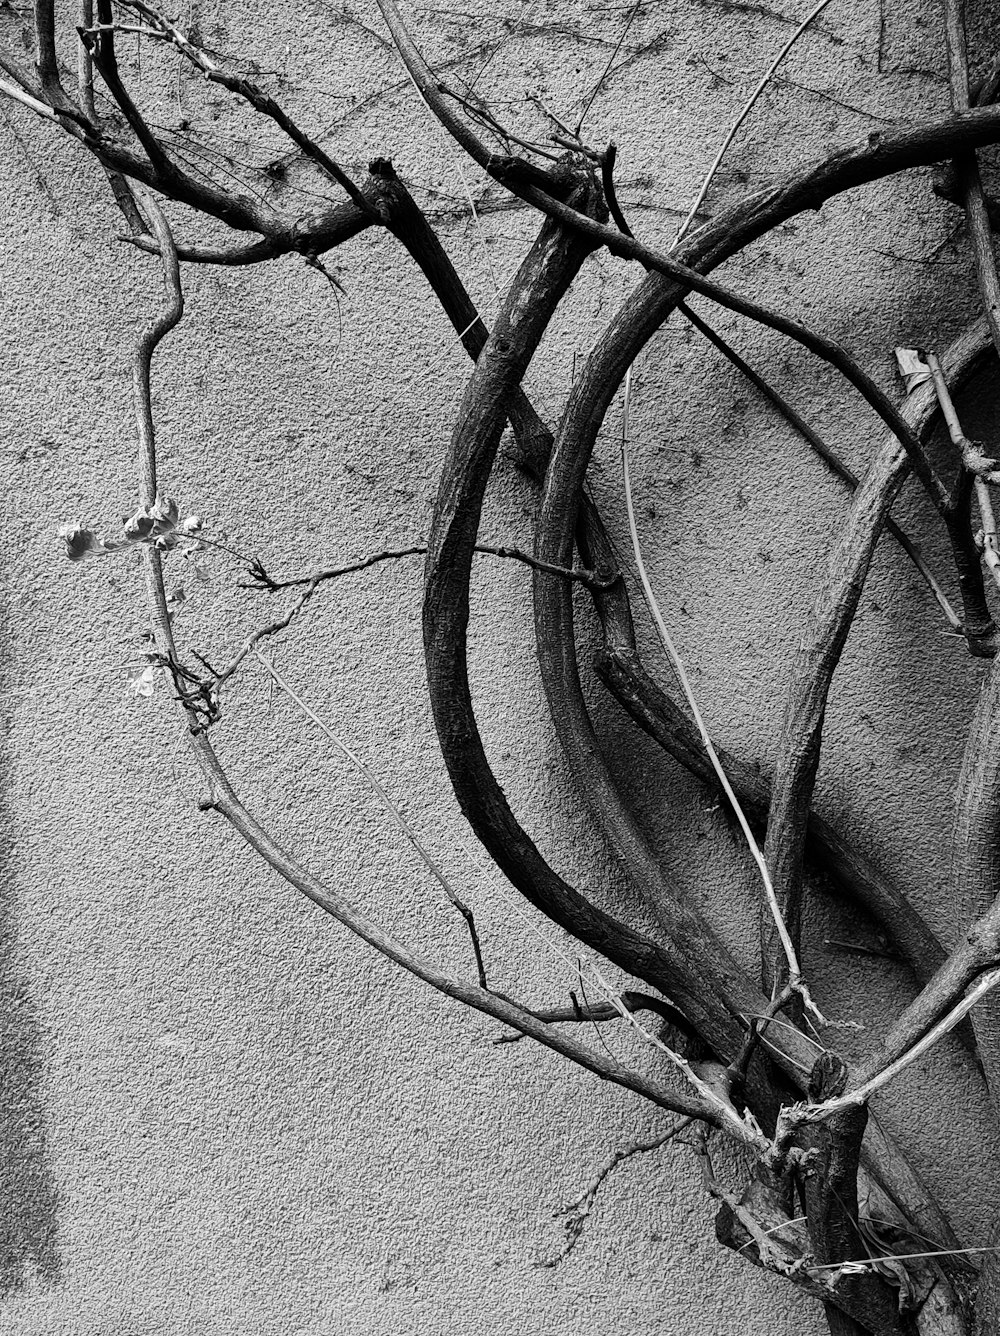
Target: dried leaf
[[139, 527], [81, 543], [164, 512], [151, 522], [187, 542], [912, 368], [977, 461], [144, 683], [157, 524]]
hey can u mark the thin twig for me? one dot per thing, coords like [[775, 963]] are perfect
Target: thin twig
[[607, 69], [224, 800], [795, 979], [426, 858], [971, 459], [250, 92], [578, 1212], [589, 578], [560, 125], [261, 579], [603, 1011], [26, 100], [313, 582], [486, 117], [797, 1114], [748, 107], [588, 1193]]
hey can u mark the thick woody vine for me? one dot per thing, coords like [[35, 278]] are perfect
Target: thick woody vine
[[750, 1058]]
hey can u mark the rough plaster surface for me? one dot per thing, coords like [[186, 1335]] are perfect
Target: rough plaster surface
[[219, 1114]]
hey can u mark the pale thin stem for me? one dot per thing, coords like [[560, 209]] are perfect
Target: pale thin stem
[[748, 107], [991, 547], [968, 456], [946, 403], [85, 62], [26, 100], [808, 1113], [741, 1127], [791, 956], [849, 1268]]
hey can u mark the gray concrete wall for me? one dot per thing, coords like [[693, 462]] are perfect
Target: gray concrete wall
[[221, 1114]]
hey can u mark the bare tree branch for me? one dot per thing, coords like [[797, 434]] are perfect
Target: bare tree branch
[[245, 88], [756, 1055], [434, 95], [102, 50], [224, 800], [48, 64], [817, 656]]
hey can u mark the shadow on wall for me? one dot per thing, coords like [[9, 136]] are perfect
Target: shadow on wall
[[28, 1227]]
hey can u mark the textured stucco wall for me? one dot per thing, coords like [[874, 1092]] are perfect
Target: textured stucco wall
[[219, 1114]]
